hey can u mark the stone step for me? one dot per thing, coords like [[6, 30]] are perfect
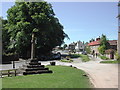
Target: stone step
[[35, 66], [34, 61], [36, 69], [37, 72]]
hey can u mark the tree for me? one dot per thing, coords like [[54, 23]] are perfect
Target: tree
[[103, 44], [92, 40], [65, 45], [5, 36], [88, 49], [24, 18]]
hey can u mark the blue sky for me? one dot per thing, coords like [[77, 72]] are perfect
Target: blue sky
[[84, 20]]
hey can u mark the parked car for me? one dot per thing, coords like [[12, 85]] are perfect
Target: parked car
[[84, 52]]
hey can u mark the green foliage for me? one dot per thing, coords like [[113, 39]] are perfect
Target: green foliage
[[63, 77], [65, 60], [111, 62], [27, 17], [102, 49], [88, 49], [74, 55], [117, 56], [104, 57], [103, 44], [84, 58], [65, 45], [5, 37]]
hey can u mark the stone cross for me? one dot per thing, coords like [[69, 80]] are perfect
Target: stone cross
[[33, 46]]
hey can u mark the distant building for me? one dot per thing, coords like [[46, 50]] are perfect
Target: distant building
[[112, 47], [76, 46], [79, 46], [72, 46], [94, 45]]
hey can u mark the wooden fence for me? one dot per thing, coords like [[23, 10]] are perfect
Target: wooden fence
[[9, 73]]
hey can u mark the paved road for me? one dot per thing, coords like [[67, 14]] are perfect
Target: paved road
[[101, 75]]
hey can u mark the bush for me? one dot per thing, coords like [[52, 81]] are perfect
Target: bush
[[104, 57], [7, 58], [117, 56], [74, 55]]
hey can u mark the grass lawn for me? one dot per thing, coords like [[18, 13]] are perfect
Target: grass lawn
[[63, 77], [104, 57], [65, 60], [84, 58], [111, 62]]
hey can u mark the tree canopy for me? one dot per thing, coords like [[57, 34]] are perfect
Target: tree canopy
[[103, 44], [24, 18]]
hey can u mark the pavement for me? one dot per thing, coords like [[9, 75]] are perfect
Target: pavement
[[100, 75]]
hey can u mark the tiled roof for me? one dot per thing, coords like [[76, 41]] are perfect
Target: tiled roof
[[94, 43], [113, 42]]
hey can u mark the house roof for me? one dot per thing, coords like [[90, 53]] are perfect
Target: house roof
[[113, 42], [94, 43], [109, 51]]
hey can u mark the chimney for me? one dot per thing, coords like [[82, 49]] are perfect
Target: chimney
[[98, 39]]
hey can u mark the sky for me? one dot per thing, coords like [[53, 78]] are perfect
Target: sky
[[84, 20]]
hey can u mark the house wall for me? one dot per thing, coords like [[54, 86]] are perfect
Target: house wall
[[95, 48], [79, 46]]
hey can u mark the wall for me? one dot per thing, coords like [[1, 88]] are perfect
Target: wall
[[95, 48]]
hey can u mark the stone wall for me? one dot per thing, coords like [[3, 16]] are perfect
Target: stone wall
[[95, 48]]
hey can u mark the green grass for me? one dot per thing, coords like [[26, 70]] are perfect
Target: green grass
[[85, 58], [65, 60], [63, 77], [111, 62], [104, 57]]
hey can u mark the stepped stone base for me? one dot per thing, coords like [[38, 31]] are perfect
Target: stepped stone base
[[34, 67]]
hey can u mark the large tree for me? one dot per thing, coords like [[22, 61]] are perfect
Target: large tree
[[5, 36], [24, 18]]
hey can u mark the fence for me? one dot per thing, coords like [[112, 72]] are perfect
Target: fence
[[8, 73]]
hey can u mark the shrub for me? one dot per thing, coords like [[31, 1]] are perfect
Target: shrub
[[74, 55], [117, 56]]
